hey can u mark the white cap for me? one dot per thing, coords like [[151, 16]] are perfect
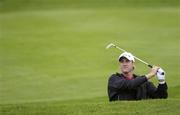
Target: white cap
[[127, 55]]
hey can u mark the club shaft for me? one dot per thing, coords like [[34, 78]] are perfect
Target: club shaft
[[134, 57]]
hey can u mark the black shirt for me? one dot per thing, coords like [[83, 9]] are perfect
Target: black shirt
[[120, 88]]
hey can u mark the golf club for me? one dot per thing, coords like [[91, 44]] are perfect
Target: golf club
[[149, 65]]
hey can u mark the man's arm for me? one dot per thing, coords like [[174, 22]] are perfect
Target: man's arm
[[122, 83], [159, 92]]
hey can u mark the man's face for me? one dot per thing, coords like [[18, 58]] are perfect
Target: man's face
[[126, 65]]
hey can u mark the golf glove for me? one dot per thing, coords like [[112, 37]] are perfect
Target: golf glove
[[161, 76]]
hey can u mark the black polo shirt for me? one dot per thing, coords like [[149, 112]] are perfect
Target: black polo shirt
[[120, 88]]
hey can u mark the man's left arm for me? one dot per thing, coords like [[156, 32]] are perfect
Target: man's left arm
[[159, 92]]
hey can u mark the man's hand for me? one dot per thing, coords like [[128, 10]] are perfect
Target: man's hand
[[161, 77], [152, 72]]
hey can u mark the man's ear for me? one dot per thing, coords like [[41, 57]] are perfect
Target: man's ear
[[134, 66]]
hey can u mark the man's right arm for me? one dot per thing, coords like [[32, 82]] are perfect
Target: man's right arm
[[122, 83]]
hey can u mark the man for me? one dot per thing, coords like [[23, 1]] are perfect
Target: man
[[128, 86]]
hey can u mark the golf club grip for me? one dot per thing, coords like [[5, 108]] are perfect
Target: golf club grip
[[150, 66], [162, 73]]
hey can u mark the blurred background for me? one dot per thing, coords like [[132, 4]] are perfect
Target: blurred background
[[55, 49]]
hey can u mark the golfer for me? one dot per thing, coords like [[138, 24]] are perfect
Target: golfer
[[128, 86]]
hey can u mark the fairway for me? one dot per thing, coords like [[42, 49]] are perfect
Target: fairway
[[53, 59]]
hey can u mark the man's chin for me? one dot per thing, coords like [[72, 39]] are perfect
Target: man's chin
[[125, 72]]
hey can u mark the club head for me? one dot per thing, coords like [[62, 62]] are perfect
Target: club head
[[110, 45]]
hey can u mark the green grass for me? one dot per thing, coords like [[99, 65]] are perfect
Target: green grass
[[13, 5], [53, 60], [95, 107]]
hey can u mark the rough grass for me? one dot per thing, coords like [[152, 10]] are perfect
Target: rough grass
[[94, 107]]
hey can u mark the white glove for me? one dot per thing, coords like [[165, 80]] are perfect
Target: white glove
[[161, 76]]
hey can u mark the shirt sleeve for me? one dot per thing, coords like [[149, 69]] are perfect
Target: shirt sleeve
[[122, 83], [159, 92]]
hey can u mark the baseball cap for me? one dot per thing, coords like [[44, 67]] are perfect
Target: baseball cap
[[127, 55]]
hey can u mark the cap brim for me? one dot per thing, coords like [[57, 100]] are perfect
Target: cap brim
[[123, 57]]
